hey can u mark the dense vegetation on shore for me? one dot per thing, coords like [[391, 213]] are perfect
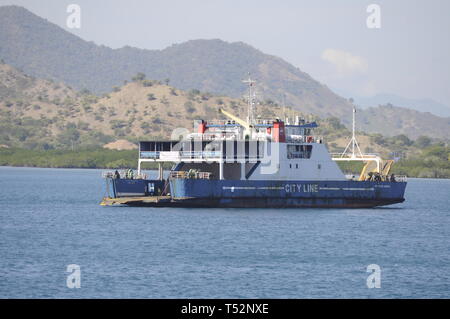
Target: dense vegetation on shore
[[87, 158], [433, 162]]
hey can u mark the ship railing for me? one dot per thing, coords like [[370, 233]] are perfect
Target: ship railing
[[349, 156], [123, 174], [201, 154], [221, 122], [190, 174], [186, 155], [147, 154], [304, 139], [182, 154], [214, 136], [378, 178], [218, 155], [264, 121], [232, 122]]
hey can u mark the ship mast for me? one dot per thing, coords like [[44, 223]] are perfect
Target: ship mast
[[356, 154], [353, 142], [251, 100]]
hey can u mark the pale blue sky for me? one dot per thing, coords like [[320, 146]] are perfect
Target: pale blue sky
[[328, 39]]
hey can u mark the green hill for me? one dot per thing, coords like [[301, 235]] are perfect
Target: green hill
[[43, 114]]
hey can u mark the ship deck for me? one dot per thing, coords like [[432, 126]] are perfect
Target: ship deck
[[144, 200]]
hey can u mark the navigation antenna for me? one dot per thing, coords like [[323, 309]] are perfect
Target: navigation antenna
[[251, 100], [353, 142]]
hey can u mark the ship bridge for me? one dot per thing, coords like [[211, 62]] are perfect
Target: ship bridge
[[233, 141], [203, 152]]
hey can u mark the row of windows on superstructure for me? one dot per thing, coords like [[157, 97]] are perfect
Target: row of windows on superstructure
[[299, 151]]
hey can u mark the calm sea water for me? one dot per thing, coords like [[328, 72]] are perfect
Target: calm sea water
[[50, 218]]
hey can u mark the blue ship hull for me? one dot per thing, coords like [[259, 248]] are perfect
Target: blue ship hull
[[136, 187], [280, 194], [236, 193]]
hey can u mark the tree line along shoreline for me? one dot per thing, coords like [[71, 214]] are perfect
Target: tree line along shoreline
[[433, 162]]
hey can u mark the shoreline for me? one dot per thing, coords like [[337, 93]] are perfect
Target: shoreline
[[151, 169], [433, 165]]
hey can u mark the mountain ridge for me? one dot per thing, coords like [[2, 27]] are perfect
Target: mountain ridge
[[421, 104], [45, 50]]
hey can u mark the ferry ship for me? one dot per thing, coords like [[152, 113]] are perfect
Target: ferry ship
[[254, 163]]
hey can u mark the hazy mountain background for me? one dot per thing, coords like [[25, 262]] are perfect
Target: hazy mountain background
[[45, 51], [421, 105]]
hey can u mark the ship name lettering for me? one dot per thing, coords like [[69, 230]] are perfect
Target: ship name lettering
[[305, 188], [310, 188]]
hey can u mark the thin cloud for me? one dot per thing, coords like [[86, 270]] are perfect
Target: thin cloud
[[345, 62]]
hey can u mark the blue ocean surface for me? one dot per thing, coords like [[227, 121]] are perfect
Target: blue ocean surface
[[51, 218]]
